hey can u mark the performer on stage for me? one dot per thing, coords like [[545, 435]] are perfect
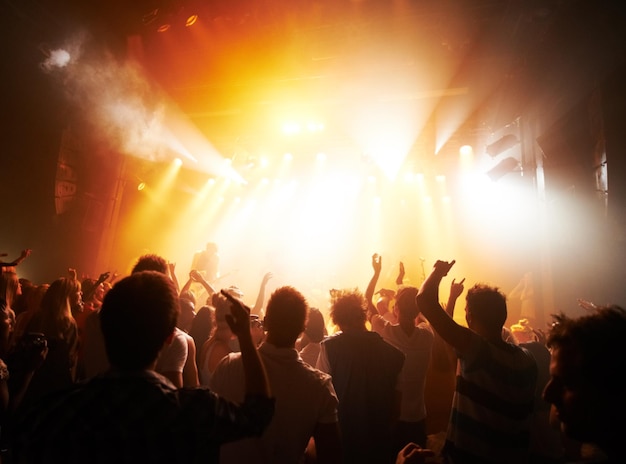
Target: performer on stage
[[207, 262]]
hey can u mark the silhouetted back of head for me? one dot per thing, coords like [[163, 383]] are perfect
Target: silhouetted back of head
[[348, 309], [285, 316], [150, 262], [597, 340], [487, 306], [315, 326], [406, 303], [138, 315]]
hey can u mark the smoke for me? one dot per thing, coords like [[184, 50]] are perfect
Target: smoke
[[114, 96]]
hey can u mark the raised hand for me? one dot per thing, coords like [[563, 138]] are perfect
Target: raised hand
[[456, 288], [401, 272], [266, 278], [377, 262], [25, 253], [195, 275], [239, 318], [443, 267]]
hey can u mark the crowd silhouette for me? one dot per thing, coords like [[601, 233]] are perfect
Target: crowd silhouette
[[127, 370]]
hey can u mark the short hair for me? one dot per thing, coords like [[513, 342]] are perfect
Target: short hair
[[138, 315], [406, 302], [285, 315], [487, 305], [348, 308], [597, 339], [315, 326], [150, 262]]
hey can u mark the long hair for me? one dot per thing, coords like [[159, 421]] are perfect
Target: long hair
[[9, 283], [54, 317]]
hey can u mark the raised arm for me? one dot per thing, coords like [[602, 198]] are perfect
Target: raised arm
[[457, 336], [171, 269], [401, 272], [260, 299], [256, 383], [377, 263], [197, 277], [456, 289]]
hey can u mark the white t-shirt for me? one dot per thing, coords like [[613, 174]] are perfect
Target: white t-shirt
[[304, 396], [417, 349]]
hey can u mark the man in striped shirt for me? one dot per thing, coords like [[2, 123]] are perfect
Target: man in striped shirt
[[496, 380]]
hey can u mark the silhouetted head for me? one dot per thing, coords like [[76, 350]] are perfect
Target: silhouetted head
[[486, 310], [150, 262], [348, 309], [285, 316], [586, 371], [315, 326], [138, 315], [406, 304]]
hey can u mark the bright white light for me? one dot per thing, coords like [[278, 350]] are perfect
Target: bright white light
[[291, 128], [321, 156], [178, 162], [288, 157], [57, 59], [466, 150], [315, 127]]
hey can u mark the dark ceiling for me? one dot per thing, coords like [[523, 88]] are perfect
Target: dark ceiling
[[243, 55]]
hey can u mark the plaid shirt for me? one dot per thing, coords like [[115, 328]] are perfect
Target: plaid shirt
[[135, 417]]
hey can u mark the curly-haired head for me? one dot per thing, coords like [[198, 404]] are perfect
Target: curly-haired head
[[597, 339], [348, 309]]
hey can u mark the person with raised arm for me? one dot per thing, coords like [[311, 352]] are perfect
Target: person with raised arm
[[414, 338], [493, 399], [132, 414]]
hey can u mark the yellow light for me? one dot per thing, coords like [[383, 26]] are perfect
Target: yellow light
[[191, 20], [288, 157], [178, 162], [141, 186], [466, 151], [164, 28], [291, 128]]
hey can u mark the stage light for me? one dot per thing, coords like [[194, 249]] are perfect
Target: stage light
[[466, 150], [504, 167], [191, 20], [501, 145], [163, 28], [141, 186]]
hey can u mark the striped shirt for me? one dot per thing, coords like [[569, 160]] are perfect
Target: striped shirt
[[492, 405]]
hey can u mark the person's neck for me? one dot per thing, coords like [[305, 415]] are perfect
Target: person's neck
[[279, 343]]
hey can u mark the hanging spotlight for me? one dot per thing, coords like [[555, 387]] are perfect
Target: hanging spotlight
[[506, 166], [163, 28], [501, 145]]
